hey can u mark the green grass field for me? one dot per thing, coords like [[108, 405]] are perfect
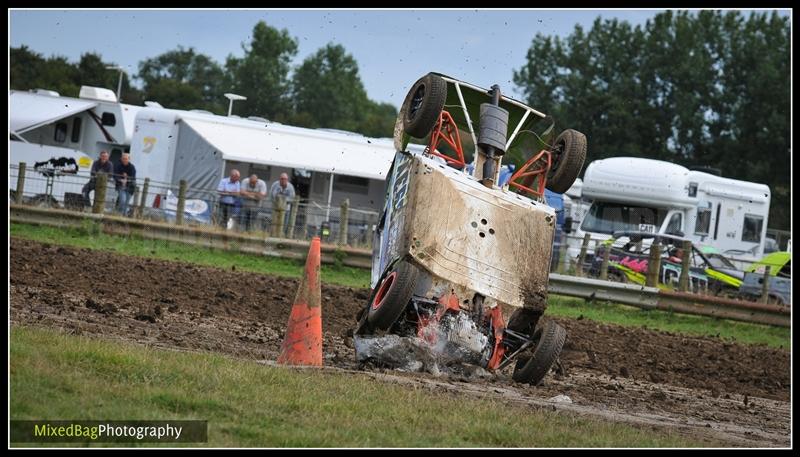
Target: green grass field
[[558, 306], [741, 332], [165, 250], [58, 376]]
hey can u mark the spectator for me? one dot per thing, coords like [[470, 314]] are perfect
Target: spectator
[[281, 189], [101, 165], [124, 182], [229, 189], [253, 192]]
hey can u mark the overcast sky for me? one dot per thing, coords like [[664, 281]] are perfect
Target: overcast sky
[[392, 47]]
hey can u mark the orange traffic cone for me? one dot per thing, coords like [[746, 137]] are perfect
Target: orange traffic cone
[[303, 342]]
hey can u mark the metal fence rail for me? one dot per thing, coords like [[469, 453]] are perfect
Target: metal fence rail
[[654, 298]]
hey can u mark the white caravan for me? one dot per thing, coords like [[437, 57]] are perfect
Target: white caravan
[[637, 194], [71, 132]]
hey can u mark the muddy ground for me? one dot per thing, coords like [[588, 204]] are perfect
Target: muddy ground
[[731, 393]]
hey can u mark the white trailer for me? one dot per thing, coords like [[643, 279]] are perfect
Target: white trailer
[[629, 193], [326, 166]]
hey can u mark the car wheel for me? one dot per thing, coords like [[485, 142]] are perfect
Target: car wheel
[[423, 105], [568, 155], [548, 340], [392, 296]]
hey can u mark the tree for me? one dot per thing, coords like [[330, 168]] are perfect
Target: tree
[[379, 120], [706, 88], [328, 88], [184, 79], [30, 70], [262, 74]]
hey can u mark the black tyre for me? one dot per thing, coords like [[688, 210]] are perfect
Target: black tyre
[[549, 339], [568, 155], [392, 296], [423, 104]]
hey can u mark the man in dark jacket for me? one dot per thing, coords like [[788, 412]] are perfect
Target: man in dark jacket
[[101, 165], [124, 182]]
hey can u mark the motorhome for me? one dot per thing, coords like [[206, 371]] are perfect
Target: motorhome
[[66, 133], [575, 206], [637, 194], [46, 125]]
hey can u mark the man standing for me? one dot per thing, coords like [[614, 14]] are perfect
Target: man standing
[[101, 165], [254, 191], [229, 189], [281, 192], [124, 182], [282, 188]]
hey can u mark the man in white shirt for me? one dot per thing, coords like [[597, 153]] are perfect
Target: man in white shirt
[[253, 192], [229, 190]]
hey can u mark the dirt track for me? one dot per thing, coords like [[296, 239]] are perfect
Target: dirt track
[[735, 393]]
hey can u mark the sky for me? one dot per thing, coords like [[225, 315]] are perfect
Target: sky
[[393, 48]]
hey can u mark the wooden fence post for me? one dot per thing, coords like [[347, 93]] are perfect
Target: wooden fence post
[[181, 202], [100, 193], [765, 286], [343, 221], [683, 280], [293, 217], [582, 256], [20, 183], [653, 265], [143, 199]]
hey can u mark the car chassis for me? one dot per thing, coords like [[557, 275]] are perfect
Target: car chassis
[[452, 248]]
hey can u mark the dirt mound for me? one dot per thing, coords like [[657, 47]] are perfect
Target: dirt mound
[[178, 305]]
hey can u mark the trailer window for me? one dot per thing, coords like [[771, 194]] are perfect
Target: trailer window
[[109, 119], [752, 228], [61, 132], [703, 223], [607, 217], [76, 130], [675, 225]]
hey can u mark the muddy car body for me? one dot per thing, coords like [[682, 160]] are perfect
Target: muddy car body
[[452, 249]]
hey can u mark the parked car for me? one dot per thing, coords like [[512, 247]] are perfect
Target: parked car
[[780, 279], [629, 258]]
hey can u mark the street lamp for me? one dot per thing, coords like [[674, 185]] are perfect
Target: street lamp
[[119, 85], [233, 97]]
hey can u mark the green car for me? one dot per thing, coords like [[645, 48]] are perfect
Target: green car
[[629, 256]]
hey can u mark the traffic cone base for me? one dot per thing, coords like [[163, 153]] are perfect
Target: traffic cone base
[[303, 342]]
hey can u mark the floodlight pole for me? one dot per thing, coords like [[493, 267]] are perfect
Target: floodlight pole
[[233, 97]]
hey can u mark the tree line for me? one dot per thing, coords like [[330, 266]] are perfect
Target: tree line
[[704, 88], [699, 89], [325, 90]]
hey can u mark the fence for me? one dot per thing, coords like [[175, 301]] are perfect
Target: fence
[[297, 219]]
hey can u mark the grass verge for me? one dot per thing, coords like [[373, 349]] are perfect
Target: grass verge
[[740, 332], [59, 376], [165, 250]]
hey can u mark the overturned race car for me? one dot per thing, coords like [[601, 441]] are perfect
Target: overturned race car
[[452, 250]]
